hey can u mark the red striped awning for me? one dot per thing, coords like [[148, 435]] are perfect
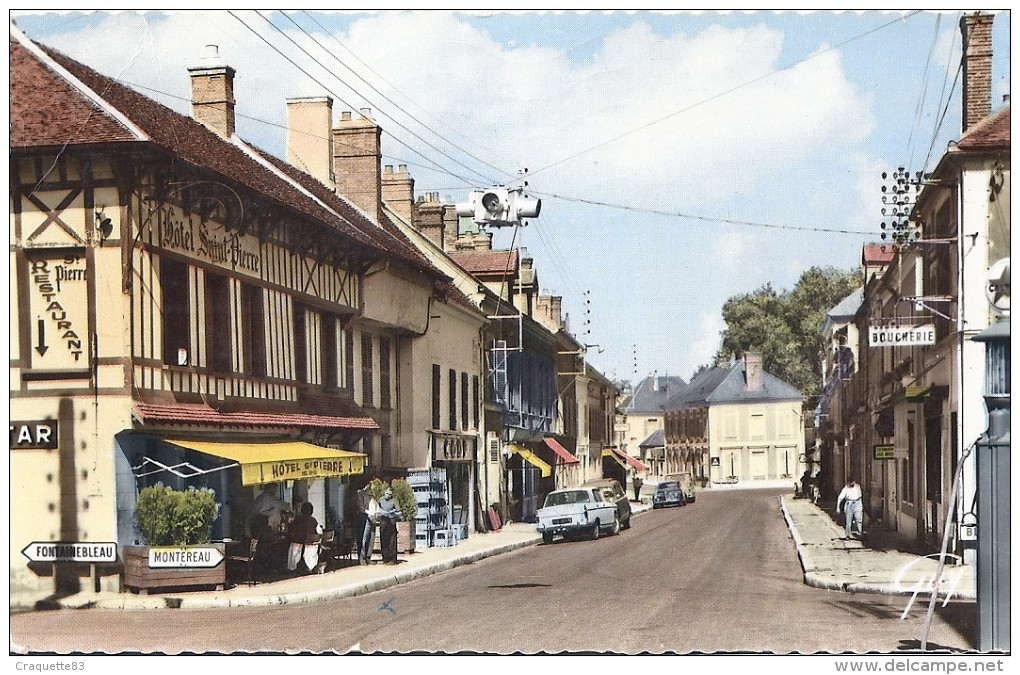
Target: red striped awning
[[562, 454], [624, 459]]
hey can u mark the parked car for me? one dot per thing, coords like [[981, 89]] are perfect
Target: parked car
[[572, 512], [668, 493], [686, 481], [612, 491]]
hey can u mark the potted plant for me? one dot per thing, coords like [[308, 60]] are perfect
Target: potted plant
[[177, 523], [403, 496]]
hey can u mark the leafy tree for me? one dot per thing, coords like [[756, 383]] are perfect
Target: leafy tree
[[784, 327]]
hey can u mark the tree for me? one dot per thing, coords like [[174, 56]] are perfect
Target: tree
[[785, 327]]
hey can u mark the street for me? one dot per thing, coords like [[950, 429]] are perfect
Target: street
[[719, 575]]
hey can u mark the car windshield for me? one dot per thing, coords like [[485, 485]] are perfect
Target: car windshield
[[567, 497], [668, 486]]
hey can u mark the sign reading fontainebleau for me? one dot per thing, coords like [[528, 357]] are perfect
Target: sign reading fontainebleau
[[184, 556], [901, 336], [58, 312], [37, 434], [71, 551]]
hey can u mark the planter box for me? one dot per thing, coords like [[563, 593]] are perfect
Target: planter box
[[138, 576], [406, 536]]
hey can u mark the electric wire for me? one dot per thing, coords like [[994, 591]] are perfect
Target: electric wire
[[914, 127], [327, 88], [387, 98], [724, 93], [321, 65]]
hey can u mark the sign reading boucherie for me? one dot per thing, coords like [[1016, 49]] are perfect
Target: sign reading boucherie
[[901, 336]]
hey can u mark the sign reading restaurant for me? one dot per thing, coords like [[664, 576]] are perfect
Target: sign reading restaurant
[[901, 336]]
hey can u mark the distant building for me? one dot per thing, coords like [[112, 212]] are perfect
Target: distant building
[[640, 416], [738, 425]]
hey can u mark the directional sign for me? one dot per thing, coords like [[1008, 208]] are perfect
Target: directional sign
[[185, 556], [71, 551]]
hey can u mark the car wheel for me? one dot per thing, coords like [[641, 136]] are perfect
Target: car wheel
[[595, 531], [547, 537], [616, 525]]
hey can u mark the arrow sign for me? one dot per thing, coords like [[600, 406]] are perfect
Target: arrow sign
[[41, 347], [71, 551], [185, 556]]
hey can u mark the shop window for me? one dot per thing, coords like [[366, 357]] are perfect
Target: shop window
[[253, 316], [349, 361], [367, 392], [300, 343], [453, 399], [173, 280], [330, 370], [436, 395], [385, 401], [464, 393], [217, 323]]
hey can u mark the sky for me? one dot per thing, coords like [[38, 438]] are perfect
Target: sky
[[681, 158]]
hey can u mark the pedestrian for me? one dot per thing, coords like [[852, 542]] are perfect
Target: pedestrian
[[387, 517], [637, 487], [304, 540], [849, 502], [363, 526]]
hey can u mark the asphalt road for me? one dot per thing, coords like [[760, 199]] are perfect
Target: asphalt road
[[719, 575]]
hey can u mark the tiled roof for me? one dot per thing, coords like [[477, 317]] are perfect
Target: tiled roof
[[726, 385], [652, 392], [481, 263], [988, 134], [878, 254], [191, 413], [93, 108]]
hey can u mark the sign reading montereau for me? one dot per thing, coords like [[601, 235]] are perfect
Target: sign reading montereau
[[208, 241], [901, 336], [185, 556]]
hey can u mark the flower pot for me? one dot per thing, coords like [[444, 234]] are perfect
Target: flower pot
[[405, 536]]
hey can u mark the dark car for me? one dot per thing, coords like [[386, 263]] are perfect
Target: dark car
[[668, 493], [613, 492]]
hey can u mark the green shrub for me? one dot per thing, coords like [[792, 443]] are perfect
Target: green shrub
[[403, 495], [167, 517]]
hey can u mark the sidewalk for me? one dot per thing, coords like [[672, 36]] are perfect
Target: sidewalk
[[888, 563], [828, 562]]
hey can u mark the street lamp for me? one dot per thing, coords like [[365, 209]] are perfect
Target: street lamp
[[993, 486]]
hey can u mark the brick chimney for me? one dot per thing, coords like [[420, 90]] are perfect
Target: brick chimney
[[357, 161], [549, 312], [310, 137], [451, 227], [212, 92], [430, 218], [976, 29], [398, 191], [752, 371]]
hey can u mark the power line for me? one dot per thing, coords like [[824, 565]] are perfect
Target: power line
[[723, 93], [327, 88], [709, 219]]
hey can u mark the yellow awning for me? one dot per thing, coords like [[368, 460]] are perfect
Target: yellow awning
[[286, 460], [532, 459]]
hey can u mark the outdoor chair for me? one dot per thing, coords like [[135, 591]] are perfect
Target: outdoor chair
[[247, 560]]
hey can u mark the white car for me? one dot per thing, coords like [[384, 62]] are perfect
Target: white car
[[577, 511]]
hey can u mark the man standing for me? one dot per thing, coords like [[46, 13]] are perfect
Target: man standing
[[363, 526], [849, 501]]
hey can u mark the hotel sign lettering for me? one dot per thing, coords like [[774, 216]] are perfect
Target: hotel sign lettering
[[901, 336], [297, 469], [208, 241]]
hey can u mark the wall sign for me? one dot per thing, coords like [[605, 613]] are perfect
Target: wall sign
[[58, 312], [33, 435], [883, 452], [901, 336]]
